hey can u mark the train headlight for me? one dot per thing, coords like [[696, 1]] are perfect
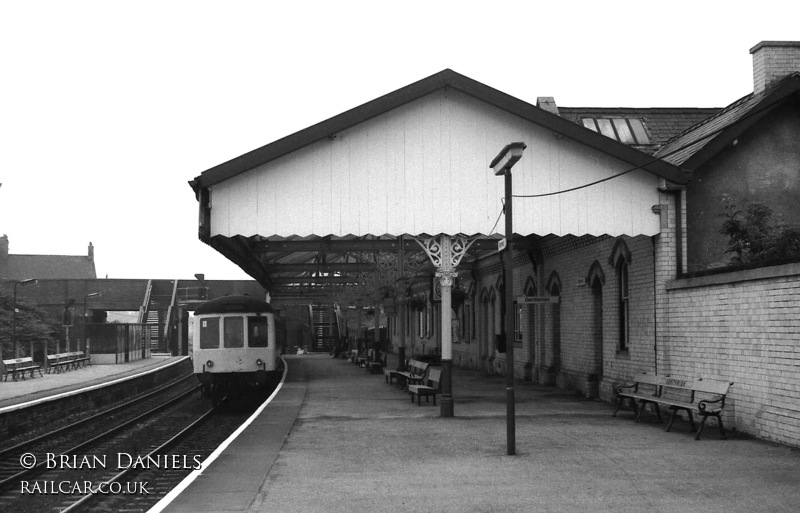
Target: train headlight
[[259, 362], [209, 364]]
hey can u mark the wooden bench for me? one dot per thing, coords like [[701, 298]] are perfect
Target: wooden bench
[[414, 374], [81, 360], [59, 362], [19, 366], [428, 388], [390, 374], [374, 364], [363, 357], [705, 397], [369, 361], [644, 387]]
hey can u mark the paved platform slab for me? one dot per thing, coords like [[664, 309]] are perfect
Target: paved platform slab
[[356, 444]]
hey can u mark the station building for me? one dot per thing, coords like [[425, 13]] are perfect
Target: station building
[[616, 222]]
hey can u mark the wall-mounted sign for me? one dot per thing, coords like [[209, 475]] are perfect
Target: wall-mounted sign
[[536, 300]]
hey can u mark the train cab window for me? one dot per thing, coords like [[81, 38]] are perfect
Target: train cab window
[[257, 331], [209, 333], [234, 332]]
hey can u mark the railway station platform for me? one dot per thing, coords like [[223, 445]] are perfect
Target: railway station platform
[[335, 438], [13, 393]]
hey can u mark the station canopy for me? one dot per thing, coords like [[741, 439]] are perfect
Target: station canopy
[[336, 210]]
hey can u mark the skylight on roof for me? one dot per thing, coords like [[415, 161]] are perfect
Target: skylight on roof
[[624, 130]]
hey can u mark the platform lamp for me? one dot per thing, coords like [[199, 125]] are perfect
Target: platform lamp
[[24, 283], [85, 317], [502, 165]]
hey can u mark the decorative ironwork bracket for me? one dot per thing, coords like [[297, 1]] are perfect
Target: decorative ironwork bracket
[[445, 251]]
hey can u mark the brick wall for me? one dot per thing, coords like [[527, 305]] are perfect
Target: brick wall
[[743, 327], [559, 340], [580, 357]]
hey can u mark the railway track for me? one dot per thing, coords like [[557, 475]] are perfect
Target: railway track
[[128, 458]]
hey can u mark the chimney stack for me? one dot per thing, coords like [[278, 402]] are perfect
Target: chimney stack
[[547, 103], [4, 248], [772, 61]]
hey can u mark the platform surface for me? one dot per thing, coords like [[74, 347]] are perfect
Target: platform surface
[[339, 439], [13, 393]]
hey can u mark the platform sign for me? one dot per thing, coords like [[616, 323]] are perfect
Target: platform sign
[[536, 300], [501, 244]]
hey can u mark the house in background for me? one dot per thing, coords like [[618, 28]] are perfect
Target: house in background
[[60, 267]]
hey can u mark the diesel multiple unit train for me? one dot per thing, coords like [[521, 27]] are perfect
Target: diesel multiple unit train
[[234, 344]]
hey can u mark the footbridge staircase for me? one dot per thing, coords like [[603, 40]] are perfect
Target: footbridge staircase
[[326, 326]]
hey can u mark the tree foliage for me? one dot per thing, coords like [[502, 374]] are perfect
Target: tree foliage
[[32, 325], [755, 235]]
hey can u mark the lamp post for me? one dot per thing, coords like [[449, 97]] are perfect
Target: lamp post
[[85, 317], [502, 165], [24, 283]]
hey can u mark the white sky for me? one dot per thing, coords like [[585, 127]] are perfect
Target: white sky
[[109, 108]]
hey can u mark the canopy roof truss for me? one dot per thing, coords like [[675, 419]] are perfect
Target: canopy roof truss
[[350, 269]]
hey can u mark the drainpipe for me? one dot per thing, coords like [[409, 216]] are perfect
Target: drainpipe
[[675, 192]]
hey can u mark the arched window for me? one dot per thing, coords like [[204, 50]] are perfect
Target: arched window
[[467, 317], [487, 318], [554, 289], [529, 290], [596, 279], [620, 259]]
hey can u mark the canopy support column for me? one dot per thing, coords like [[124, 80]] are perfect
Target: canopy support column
[[446, 253]]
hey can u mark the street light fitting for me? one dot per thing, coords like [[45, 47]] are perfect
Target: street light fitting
[[29, 281], [507, 157], [502, 165]]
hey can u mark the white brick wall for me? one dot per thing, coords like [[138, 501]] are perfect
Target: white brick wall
[[743, 327]]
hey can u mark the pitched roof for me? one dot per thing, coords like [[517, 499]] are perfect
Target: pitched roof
[[444, 79], [700, 142], [660, 123], [19, 267]]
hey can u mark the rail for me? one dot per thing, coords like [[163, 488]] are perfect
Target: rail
[[144, 308], [168, 321]]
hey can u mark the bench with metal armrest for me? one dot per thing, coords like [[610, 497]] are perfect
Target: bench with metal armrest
[[704, 397], [17, 367], [428, 388]]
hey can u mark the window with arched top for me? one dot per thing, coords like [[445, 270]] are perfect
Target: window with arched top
[[529, 290], [620, 259], [466, 319], [487, 304], [554, 360], [596, 280]]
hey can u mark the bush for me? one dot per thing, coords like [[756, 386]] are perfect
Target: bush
[[754, 236]]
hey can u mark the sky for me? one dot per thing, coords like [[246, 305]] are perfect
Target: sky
[[109, 108]]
